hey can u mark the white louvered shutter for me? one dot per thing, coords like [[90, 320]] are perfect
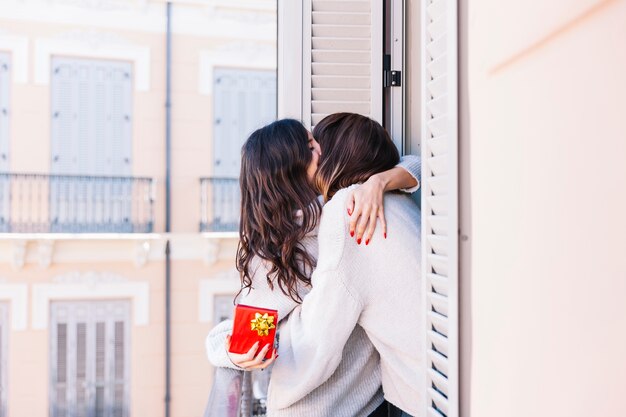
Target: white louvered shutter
[[342, 58], [89, 352], [4, 344], [244, 100], [91, 117], [440, 205], [5, 82], [5, 182]]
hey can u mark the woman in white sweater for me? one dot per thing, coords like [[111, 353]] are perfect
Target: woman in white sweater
[[278, 251], [376, 288]]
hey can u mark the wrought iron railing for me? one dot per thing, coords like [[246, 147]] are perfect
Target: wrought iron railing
[[42, 203], [220, 201]]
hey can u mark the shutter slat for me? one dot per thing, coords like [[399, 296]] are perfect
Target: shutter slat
[[340, 94], [439, 184], [436, 9], [439, 361], [438, 146], [439, 264], [437, 48], [437, 86], [333, 31], [437, 67], [342, 44], [348, 57], [439, 283], [439, 342], [440, 381], [347, 82], [439, 244], [434, 413], [439, 204], [330, 107], [438, 321], [439, 225], [437, 107], [441, 402], [439, 303], [351, 18], [340, 69], [437, 28], [438, 125], [341, 6], [438, 164]]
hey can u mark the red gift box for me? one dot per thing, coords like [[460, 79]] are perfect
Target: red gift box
[[253, 324]]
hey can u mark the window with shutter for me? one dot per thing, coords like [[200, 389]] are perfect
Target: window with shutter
[[243, 101], [5, 82], [89, 356], [91, 134], [4, 343], [440, 205], [342, 58]]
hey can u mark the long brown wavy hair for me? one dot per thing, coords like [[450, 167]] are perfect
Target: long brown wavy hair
[[354, 148], [279, 206]]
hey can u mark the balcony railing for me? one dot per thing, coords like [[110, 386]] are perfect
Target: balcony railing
[[41, 203], [219, 204]]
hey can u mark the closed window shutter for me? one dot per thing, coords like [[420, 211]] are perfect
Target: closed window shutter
[[342, 58], [5, 184], [439, 205], [5, 82], [244, 100], [91, 117], [89, 358]]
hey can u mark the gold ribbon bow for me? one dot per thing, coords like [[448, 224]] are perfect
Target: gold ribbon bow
[[262, 324]]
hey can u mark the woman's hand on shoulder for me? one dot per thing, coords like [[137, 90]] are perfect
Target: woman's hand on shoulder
[[365, 206], [251, 360]]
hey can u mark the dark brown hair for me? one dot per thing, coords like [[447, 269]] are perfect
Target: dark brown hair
[[354, 148], [278, 206]]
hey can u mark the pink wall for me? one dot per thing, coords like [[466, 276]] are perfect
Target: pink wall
[[543, 204]]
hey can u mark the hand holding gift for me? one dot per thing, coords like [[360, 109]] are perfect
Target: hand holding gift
[[253, 328]]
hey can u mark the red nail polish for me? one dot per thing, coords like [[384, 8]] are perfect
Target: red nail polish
[[385, 235], [367, 242], [349, 212], [351, 233], [358, 241]]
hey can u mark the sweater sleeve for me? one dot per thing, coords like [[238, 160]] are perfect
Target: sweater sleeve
[[215, 345], [259, 295], [312, 340], [413, 165]]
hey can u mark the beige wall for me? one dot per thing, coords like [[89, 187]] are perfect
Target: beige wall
[[543, 273]]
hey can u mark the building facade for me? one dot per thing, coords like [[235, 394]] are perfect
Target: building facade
[[83, 287]]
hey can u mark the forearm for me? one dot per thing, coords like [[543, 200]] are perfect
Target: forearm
[[395, 178]]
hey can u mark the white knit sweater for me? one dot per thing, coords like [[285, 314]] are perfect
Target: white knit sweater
[[377, 287], [354, 388]]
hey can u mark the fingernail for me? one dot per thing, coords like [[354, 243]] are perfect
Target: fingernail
[[367, 242], [351, 233], [385, 235], [349, 212], [358, 241]]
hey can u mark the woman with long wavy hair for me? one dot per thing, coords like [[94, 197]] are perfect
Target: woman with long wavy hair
[[278, 252]]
